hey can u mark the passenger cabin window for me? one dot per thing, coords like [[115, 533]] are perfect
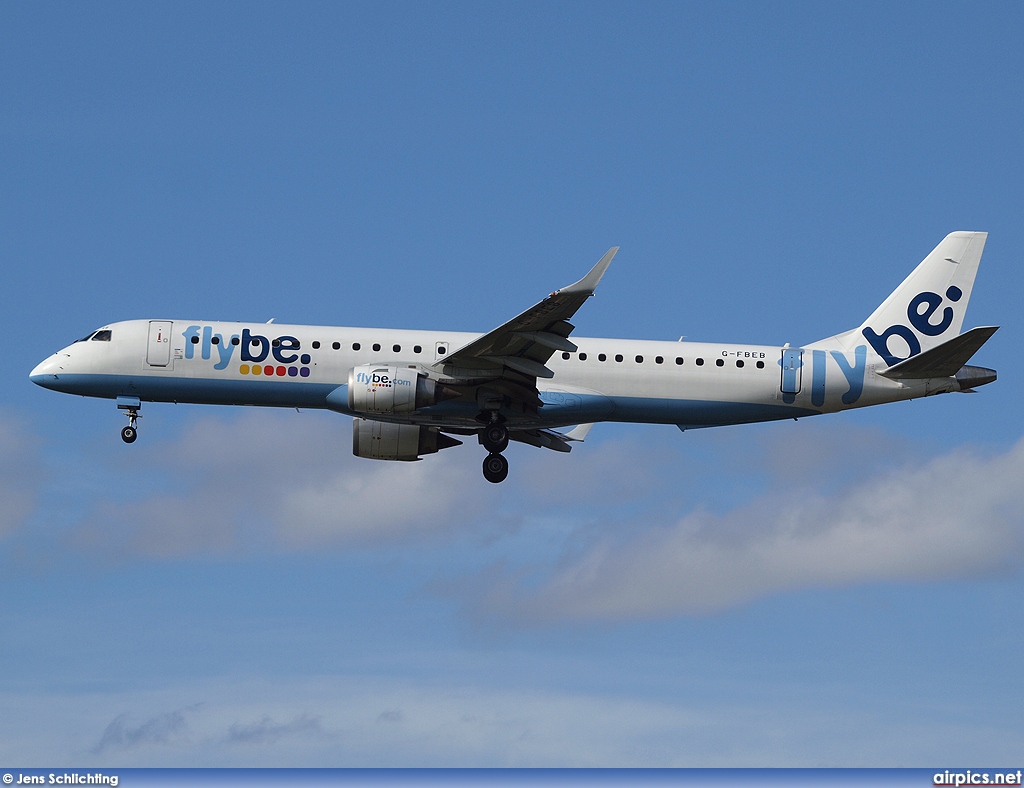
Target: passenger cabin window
[[719, 362], [235, 340], [739, 363], [215, 340], [618, 357], [639, 359], [700, 362], [659, 360], [195, 340], [376, 347], [417, 349], [760, 365], [679, 360], [396, 348], [101, 336], [316, 344], [602, 357], [565, 356], [442, 350]]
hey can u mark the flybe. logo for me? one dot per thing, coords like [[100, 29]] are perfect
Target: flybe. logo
[[380, 380], [922, 308], [254, 349]]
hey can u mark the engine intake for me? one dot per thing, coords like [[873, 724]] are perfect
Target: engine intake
[[383, 389], [378, 440]]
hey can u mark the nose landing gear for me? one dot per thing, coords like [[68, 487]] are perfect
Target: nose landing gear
[[131, 406]]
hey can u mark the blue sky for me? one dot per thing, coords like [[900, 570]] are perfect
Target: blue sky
[[236, 589]]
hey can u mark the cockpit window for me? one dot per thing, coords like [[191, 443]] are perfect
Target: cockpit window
[[103, 335]]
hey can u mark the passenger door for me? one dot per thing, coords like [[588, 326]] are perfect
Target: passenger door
[[792, 367], [158, 353]]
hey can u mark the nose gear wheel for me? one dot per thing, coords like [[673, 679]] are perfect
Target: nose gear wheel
[[131, 432]]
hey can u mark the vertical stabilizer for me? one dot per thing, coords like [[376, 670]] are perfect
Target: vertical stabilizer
[[928, 308]]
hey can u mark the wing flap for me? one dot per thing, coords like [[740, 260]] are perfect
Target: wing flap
[[527, 366], [548, 340]]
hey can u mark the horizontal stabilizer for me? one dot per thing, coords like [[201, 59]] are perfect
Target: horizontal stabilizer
[[542, 439], [943, 361]]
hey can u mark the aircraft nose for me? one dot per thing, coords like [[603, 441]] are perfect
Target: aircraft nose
[[45, 373]]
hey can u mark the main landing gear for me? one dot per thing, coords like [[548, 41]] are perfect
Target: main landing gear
[[495, 468], [494, 438]]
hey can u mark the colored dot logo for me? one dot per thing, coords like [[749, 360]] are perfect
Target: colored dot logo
[[269, 370], [257, 349]]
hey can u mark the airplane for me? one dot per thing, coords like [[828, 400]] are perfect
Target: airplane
[[410, 392]]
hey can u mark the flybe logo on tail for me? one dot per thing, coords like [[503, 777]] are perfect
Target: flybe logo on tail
[[920, 312]]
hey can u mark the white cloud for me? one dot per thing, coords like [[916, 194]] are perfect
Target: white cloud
[[355, 720], [168, 728], [20, 476], [568, 547], [268, 731], [380, 720], [956, 515], [278, 481], [380, 500]]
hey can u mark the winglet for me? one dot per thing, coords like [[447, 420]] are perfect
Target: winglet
[[589, 283]]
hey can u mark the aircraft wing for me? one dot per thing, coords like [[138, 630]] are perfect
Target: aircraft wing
[[523, 345]]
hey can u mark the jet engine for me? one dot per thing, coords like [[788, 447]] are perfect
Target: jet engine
[[382, 389], [378, 440]]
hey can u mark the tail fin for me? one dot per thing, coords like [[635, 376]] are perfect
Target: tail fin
[[928, 308]]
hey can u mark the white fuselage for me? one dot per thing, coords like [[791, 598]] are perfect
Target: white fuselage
[[689, 384], [410, 392]]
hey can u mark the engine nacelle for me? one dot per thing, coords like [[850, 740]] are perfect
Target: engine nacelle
[[378, 440], [374, 388]]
